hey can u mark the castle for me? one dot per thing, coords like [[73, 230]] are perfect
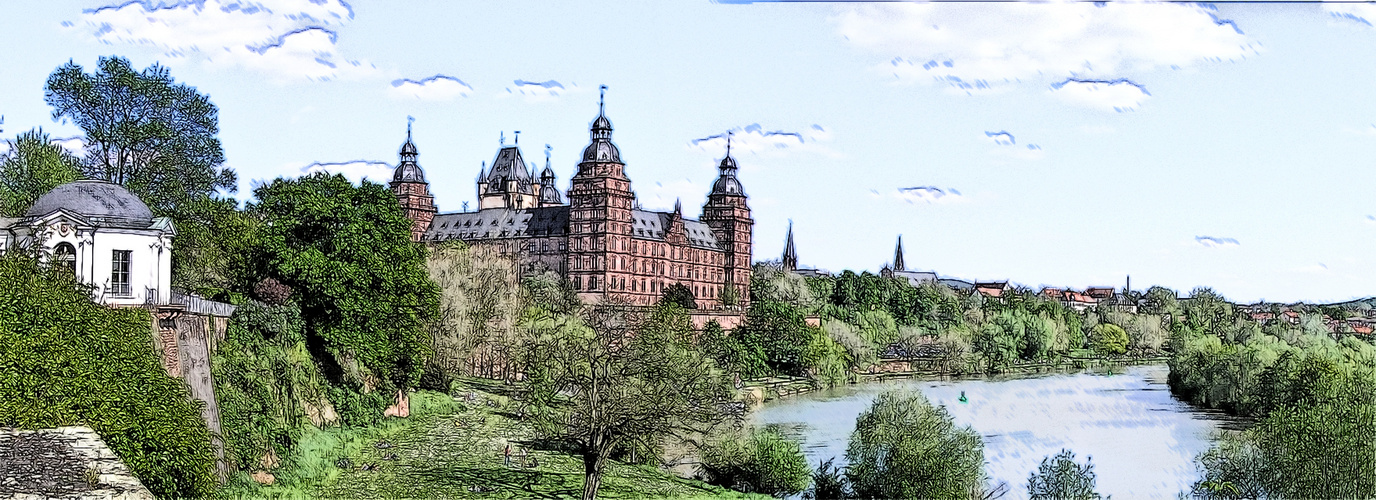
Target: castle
[[600, 240]]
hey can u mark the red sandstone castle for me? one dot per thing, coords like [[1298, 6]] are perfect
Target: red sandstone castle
[[601, 241]]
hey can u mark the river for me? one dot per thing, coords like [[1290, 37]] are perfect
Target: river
[[1142, 439]]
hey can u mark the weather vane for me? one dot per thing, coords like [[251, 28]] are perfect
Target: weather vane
[[409, 120], [501, 140], [547, 149], [518, 138], [728, 142], [601, 98]]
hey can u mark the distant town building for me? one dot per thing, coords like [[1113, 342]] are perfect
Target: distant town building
[[103, 234], [600, 239], [991, 288], [899, 269]]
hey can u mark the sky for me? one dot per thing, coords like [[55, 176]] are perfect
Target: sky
[[1058, 144]]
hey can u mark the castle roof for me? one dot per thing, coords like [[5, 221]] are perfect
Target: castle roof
[[499, 223]]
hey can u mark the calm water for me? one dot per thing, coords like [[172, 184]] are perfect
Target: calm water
[[1142, 439]]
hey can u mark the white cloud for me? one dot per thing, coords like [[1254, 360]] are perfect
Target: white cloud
[[75, 145], [1006, 146], [1216, 242], [289, 39], [1117, 95], [929, 195], [547, 90], [753, 139], [355, 171], [1360, 13], [978, 47], [435, 88]]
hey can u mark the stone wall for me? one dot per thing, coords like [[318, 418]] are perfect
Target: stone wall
[[66, 462]]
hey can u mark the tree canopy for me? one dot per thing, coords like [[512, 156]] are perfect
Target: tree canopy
[[360, 281], [903, 447], [33, 166]]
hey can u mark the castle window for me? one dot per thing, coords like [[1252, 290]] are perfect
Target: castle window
[[577, 282]]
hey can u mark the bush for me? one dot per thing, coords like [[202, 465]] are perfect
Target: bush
[[766, 463], [680, 295], [828, 483], [1109, 339], [903, 447], [1062, 478], [85, 364]]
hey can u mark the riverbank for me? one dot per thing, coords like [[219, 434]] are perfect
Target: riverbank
[[450, 448], [770, 388]]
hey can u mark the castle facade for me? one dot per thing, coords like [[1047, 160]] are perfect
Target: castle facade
[[600, 239]]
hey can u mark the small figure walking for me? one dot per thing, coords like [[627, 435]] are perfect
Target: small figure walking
[[506, 459]]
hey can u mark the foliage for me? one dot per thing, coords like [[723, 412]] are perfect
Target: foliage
[[782, 333], [903, 447], [610, 376], [680, 295], [859, 350], [731, 353], [272, 291], [143, 131], [359, 279], [1062, 478], [764, 462], [828, 482], [1108, 338], [481, 303], [264, 380], [770, 283], [85, 364], [33, 166], [826, 361], [157, 138]]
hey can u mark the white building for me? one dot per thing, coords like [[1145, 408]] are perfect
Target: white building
[[104, 234]]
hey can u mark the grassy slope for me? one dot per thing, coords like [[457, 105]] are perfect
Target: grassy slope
[[449, 449]]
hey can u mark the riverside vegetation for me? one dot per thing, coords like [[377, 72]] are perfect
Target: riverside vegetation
[[327, 335]]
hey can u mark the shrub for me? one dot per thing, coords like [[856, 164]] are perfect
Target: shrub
[[1062, 478], [1109, 339], [828, 483], [765, 462], [680, 295], [85, 364], [903, 447]]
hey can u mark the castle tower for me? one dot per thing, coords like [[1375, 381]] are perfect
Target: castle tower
[[601, 201], [727, 213], [412, 191], [549, 194], [508, 184]]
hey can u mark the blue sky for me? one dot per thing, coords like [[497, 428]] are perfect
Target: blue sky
[[1185, 145]]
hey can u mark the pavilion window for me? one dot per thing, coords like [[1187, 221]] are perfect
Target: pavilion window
[[64, 257], [119, 273]]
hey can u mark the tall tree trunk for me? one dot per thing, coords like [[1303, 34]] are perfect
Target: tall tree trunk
[[592, 474]]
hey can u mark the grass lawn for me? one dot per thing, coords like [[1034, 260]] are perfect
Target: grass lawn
[[449, 449]]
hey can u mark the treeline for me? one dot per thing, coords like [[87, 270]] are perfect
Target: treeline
[[1313, 398], [865, 317]]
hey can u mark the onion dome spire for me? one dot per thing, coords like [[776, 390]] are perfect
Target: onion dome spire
[[727, 183], [601, 148], [408, 170]]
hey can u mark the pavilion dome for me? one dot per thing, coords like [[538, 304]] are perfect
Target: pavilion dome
[[93, 199]]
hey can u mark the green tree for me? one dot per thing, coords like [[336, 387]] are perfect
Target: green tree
[[903, 447], [1108, 338], [69, 361], [613, 378], [828, 482], [1062, 478], [482, 298], [680, 295], [33, 166], [157, 138], [781, 331], [764, 462], [359, 279], [143, 131]]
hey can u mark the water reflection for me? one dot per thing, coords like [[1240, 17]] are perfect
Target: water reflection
[[1143, 441]]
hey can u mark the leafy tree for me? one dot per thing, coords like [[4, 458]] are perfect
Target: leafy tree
[[1062, 478], [781, 331], [359, 279], [33, 166], [482, 298], [157, 138], [731, 353], [1161, 300], [144, 131], [765, 462], [680, 295], [69, 361], [903, 447], [611, 377], [1109, 338]]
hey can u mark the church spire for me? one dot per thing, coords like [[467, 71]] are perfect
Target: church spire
[[898, 255], [790, 259]]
